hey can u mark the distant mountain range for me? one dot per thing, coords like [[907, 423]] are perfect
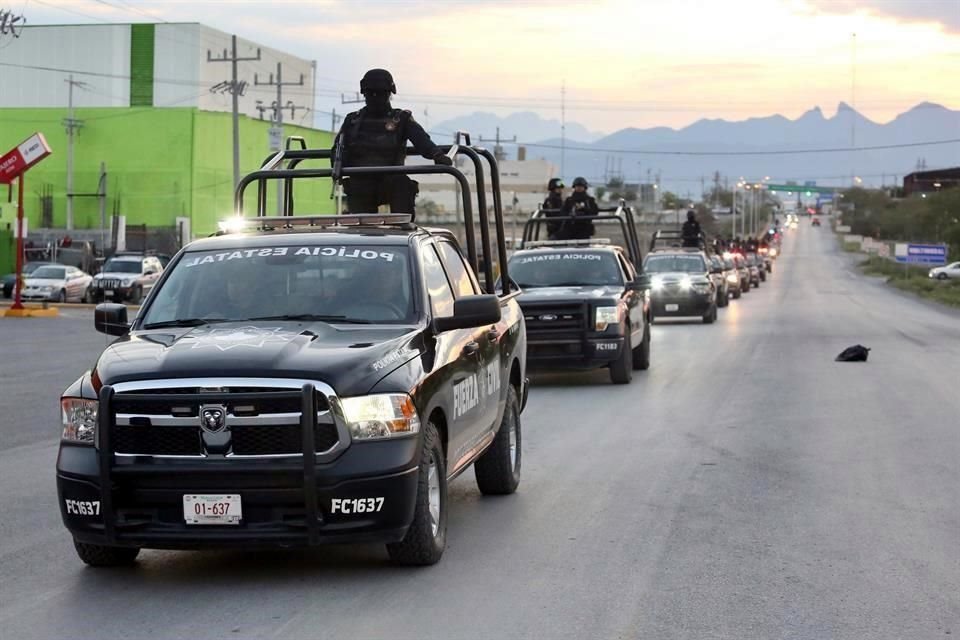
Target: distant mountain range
[[672, 152]]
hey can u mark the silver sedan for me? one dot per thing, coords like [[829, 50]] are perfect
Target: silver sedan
[[57, 282]]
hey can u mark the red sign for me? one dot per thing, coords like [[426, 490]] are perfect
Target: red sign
[[22, 157]]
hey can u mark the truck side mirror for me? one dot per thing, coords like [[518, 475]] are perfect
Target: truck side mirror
[[470, 311], [111, 319], [640, 283]]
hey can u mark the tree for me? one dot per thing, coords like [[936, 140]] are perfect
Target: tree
[[669, 200]]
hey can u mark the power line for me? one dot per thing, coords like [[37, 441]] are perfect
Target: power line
[[772, 152]]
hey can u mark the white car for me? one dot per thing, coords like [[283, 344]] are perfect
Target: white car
[[947, 272], [58, 282]]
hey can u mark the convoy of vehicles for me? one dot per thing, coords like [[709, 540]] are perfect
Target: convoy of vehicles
[[303, 380]]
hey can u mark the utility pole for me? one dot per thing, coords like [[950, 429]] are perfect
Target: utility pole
[[72, 125], [498, 152], [235, 91], [563, 127], [276, 131]]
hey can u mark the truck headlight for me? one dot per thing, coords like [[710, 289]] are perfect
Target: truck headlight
[[733, 278], [657, 283], [685, 284], [79, 419], [377, 417], [605, 316], [701, 287]]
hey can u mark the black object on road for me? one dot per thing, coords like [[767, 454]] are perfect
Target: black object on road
[[856, 353]]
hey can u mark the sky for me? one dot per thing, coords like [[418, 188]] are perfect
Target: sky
[[617, 63]]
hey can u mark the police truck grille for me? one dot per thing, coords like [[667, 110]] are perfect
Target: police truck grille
[[258, 421], [554, 317]]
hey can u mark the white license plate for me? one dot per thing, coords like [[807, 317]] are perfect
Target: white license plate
[[673, 307], [212, 509], [108, 292]]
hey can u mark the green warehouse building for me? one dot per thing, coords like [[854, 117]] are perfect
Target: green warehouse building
[[151, 106]]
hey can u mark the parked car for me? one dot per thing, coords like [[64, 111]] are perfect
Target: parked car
[[10, 279], [126, 277], [57, 282], [947, 272]]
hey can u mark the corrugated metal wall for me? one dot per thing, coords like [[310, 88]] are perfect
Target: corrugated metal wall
[[141, 65]]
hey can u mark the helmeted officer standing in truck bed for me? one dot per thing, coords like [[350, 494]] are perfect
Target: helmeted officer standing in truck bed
[[377, 135]]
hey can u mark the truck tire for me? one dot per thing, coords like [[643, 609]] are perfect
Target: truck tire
[[641, 355], [498, 469], [711, 316], [737, 294], [621, 369], [97, 555], [427, 536], [723, 298], [62, 296]]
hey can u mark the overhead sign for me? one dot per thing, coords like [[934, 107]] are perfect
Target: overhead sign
[[22, 157], [806, 189], [931, 254]]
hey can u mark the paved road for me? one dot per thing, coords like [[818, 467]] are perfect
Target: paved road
[[745, 487]]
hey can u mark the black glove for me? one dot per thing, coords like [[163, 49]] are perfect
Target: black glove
[[444, 159]]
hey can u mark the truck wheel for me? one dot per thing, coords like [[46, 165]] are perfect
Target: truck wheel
[[62, 296], [621, 369], [427, 536], [498, 469], [737, 294], [641, 355], [723, 299], [711, 316], [97, 555]]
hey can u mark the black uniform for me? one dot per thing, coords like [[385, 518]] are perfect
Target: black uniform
[[373, 140], [581, 205], [691, 233], [553, 206]]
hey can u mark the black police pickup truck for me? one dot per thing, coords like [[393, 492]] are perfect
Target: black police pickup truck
[[306, 381], [584, 303], [681, 283]]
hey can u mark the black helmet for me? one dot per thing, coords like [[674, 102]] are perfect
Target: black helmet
[[580, 182], [691, 215], [555, 183], [377, 79]]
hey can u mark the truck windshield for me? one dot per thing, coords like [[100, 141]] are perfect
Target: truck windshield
[[122, 266], [565, 269], [674, 264], [354, 283]]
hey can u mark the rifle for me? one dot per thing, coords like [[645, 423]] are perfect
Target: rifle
[[336, 165]]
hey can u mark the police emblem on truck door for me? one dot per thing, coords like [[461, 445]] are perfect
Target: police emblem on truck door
[[213, 418]]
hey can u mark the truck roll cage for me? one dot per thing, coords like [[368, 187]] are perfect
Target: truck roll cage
[[283, 166], [621, 213], [673, 239]]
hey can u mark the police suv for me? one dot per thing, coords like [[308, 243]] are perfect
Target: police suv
[[303, 381], [584, 307]]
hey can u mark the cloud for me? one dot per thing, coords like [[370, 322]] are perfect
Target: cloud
[[946, 13]]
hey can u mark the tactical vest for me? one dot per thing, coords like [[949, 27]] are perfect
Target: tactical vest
[[375, 141]]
